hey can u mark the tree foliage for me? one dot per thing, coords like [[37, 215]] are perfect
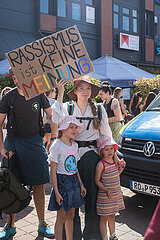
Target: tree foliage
[[146, 85], [6, 82]]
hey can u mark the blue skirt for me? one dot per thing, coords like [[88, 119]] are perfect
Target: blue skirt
[[32, 159], [70, 191]]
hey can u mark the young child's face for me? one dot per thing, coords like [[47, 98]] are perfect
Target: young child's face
[[71, 131], [108, 151]]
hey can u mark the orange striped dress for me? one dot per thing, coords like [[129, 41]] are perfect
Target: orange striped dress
[[111, 180]]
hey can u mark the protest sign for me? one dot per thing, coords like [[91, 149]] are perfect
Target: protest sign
[[61, 55]]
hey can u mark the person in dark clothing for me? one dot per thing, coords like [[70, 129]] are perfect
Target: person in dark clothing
[[149, 98], [135, 106], [153, 230], [156, 91], [25, 141], [113, 110]]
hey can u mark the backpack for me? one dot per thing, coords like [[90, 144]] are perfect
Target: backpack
[[14, 197], [71, 109]]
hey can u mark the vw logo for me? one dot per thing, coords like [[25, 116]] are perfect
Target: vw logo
[[149, 149]]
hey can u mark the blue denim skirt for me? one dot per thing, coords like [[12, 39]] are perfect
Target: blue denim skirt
[[70, 191]]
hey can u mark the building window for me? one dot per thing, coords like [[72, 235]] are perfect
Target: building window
[[135, 21], [61, 5], [76, 11], [89, 2], [90, 14], [156, 25], [115, 19], [125, 26], [125, 19], [44, 6], [125, 11], [149, 23], [116, 16], [116, 8]]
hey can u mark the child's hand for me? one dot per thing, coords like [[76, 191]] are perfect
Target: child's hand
[[109, 193], [83, 191], [122, 163], [59, 198]]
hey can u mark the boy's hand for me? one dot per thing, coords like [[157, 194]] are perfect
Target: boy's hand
[[83, 191]]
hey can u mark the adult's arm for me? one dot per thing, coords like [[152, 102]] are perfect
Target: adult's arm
[[121, 102], [60, 88], [117, 111], [58, 109], [54, 126], [105, 128], [2, 149]]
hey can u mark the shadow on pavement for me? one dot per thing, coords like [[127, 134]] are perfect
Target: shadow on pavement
[[19, 215], [138, 212], [39, 237]]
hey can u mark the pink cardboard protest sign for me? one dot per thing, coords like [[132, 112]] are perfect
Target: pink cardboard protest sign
[[38, 64]]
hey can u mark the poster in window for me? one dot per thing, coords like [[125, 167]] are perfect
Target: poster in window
[[90, 14], [130, 42]]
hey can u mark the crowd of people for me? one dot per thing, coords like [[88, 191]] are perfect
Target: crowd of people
[[80, 147]]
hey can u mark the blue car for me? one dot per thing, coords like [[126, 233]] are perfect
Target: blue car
[[139, 144]]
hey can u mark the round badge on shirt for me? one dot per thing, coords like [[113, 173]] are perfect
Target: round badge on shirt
[[70, 164], [35, 106]]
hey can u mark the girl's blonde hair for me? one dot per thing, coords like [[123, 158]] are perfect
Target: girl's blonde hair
[[116, 92]]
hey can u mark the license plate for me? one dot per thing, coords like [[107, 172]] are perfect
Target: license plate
[[145, 188]]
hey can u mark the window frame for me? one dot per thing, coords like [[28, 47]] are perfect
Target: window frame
[[64, 17], [79, 3], [131, 17], [118, 14], [150, 23], [44, 1], [137, 18]]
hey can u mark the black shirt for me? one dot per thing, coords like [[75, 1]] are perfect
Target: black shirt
[[109, 111], [26, 112]]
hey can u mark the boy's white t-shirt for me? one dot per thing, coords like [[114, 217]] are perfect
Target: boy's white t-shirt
[[65, 156]]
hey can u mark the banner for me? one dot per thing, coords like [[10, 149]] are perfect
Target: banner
[[61, 55], [130, 42]]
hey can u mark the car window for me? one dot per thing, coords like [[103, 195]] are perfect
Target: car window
[[155, 105]]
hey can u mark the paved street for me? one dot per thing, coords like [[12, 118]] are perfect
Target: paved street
[[130, 223]]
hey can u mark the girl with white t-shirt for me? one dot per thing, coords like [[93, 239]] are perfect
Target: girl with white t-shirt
[[68, 190], [85, 110]]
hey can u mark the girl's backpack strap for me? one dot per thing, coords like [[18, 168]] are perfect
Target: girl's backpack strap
[[70, 108]]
